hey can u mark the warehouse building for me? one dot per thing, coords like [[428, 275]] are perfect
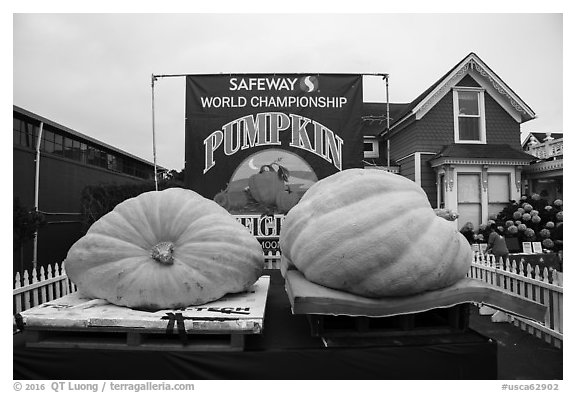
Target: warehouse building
[[68, 162]]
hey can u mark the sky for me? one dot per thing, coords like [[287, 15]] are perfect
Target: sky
[[92, 72]]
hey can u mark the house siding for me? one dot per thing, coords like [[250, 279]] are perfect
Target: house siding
[[407, 168], [428, 179], [468, 81], [501, 128], [436, 129], [402, 143]]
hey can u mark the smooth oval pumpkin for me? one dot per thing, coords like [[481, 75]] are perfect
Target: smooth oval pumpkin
[[374, 234], [165, 249]]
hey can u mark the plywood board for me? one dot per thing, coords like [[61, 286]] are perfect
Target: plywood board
[[234, 313], [310, 298]]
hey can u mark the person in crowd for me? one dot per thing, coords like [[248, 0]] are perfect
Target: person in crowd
[[497, 245], [468, 231]]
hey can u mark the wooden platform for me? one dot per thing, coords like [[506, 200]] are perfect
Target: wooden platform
[[344, 319], [77, 322], [309, 298]]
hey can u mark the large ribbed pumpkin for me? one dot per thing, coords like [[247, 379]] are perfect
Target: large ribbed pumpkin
[[374, 234], [165, 249]]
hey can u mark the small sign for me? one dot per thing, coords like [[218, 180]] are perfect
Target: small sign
[[527, 247], [475, 247], [537, 246]]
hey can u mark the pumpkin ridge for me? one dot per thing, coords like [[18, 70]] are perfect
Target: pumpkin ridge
[[207, 233], [114, 268], [399, 260], [199, 262], [77, 254], [343, 180], [447, 257], [432, 268], [212, 219], [237, 249], [344, 197], [117, 240], [295, 231], [150, 209], [132, 209], [159, 284], [98, 228], [314, 262], [184, 207]]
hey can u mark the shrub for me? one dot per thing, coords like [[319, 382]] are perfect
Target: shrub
[[548, 243]]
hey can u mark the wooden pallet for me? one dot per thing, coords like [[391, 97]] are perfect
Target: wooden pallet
[[345, 319], [436, 321], [132, 339], [77, 322], [309, 298]]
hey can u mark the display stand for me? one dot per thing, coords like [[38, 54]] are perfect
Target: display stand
[[334, 313]]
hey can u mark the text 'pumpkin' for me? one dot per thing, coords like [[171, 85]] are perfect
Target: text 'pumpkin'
[[165, 249], [374, 234]]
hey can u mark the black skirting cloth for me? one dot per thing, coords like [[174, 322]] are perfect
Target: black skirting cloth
[[286, 350]]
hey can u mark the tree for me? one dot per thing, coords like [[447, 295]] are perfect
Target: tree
[[173, 174], [26, 224]]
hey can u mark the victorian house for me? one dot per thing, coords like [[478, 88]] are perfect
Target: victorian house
[[459, 140]]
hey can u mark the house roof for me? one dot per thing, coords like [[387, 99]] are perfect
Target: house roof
[[484, 151], [475, 62], [540, 136], [85, 137]]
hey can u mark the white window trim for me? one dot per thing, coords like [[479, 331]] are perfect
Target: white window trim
[[481, 113], [375, 152]]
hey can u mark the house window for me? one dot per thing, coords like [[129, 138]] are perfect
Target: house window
[[498, 192], [469, 199], [469, 122], [371, 148], [441, 191]]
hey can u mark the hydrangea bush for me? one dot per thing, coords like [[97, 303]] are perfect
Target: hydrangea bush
[[531, 219]]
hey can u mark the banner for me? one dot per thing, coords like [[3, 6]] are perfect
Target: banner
[[256, 142]]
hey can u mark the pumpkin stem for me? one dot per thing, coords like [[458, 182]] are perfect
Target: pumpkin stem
[[163, 253]]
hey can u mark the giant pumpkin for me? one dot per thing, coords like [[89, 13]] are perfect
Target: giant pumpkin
[[374, 234], [165, 249]]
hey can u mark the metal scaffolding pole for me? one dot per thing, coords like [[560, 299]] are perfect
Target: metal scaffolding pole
[[37, 191], [154, 136], [387, 124]]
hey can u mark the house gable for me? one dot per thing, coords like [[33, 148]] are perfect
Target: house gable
[[471, 71]]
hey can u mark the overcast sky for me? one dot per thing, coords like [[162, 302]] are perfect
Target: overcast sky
[[91, 72]]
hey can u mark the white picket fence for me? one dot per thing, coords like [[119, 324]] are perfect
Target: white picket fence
[[37, 287], [272, 259], [544, 286]]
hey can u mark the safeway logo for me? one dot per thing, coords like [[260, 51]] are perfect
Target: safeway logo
[[309, 84]]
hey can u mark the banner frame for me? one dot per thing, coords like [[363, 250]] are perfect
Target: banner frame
[[155, 77]]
